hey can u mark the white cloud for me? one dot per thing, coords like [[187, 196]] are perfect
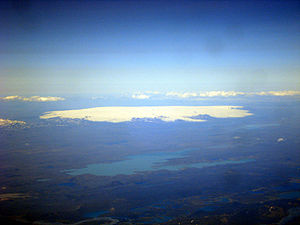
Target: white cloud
[[204, 94], [14, 97], [140, 96], [280, 139], [229, 94], [278, 93], [221, 93], [33, 98], [182, 95], [6, 122], [97, 97], [43, 99], [165, 113], [152, 92]]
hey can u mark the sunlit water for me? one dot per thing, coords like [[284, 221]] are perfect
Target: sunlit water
[[145, 162]]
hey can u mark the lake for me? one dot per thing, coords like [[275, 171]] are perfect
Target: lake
[[146, 162]]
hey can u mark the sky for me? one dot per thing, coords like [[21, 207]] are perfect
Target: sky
[[119, 47]]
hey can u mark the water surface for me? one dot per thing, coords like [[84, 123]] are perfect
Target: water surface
[[95, 214], [146, 162]]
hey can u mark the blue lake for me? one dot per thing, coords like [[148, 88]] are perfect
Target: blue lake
[[95, 214], [145, 162], [208, 208]]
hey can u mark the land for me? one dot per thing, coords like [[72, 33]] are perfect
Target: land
[[35, 189]]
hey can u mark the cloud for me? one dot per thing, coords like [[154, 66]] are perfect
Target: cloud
[[13, 97], [182, 95], [140, 96], [97, 97], [6, 122], [278, 93], [42, 99], [280, 139], [221, 93], [229, 94], [164, 113], [204, 94], [32, 98], [153, 92]]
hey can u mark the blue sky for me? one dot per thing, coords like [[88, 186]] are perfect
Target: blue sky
[[117, 47]]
